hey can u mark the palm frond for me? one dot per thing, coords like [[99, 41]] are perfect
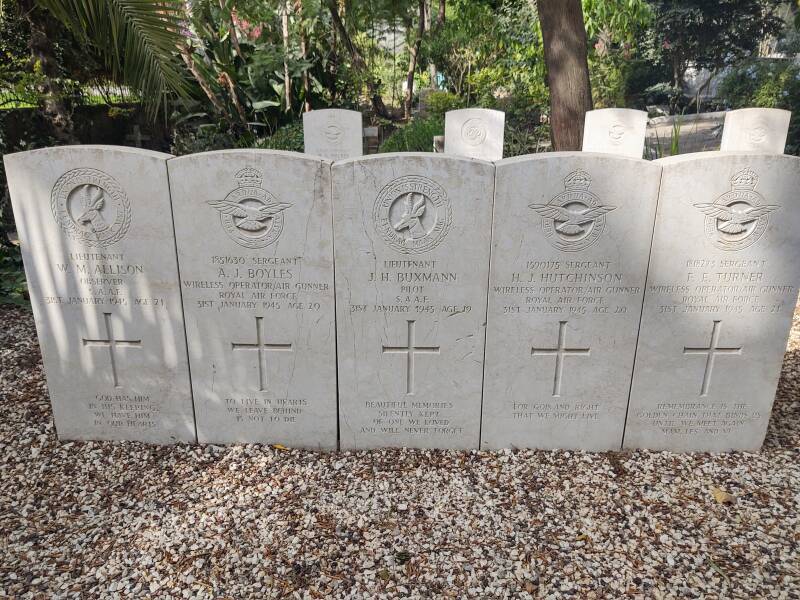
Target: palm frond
[[137, 39]]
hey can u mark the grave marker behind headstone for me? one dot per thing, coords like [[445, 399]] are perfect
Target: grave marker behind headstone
[[569, 260], [474, 133], [618, 131], [412, 258], [333, 133], [721, 290], [255, 248], [96, 233], [756, 130]]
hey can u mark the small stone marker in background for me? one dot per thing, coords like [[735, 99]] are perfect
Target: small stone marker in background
[[255, 249], [412, 259], [569, 261], [333, 133], [474, 133], [756, 130], [618, 131], [721, 291], [95, 228]]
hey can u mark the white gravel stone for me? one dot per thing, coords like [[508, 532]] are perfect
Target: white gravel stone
[[119, 520]]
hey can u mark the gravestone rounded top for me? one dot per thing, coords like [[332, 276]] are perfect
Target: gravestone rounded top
[[756, 130], [615, 131], [474, 133], [334, 133]]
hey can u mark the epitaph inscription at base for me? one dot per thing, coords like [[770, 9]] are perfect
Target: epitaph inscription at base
[[95, 228], [569, 261], [721, 292], [412, 254], [255, 249]]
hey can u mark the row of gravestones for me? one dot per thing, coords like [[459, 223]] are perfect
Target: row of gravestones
[[635, 303], [479, 133]]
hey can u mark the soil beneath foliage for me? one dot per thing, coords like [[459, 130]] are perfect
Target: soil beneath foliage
[[123, 520]]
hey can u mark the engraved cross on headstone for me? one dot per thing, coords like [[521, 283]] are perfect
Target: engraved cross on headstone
[[560, 352], [112, 344], [409, 350], [261, 346], [710, 352]]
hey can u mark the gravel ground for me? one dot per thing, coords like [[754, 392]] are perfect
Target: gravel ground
[[120, 520]]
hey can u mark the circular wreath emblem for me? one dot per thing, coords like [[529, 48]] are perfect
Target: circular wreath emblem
[[413, 214], [245, 230], [90, 206], [473, 131], [725, 233]]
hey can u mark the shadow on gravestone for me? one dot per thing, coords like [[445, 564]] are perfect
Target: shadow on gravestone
[[96, 233], [569, 259], [411, 237], [721, 291], [255, 248]]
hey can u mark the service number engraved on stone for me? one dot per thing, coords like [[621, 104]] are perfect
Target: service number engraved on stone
[[250, 215], [90, 206], [412, 214], [575, 218], [739, 217], [474, 131]]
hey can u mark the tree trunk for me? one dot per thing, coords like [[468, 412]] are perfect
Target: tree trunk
[[413, 52], [43, 58], [304, 52], [358, 61], [564, 39], [287, 81]]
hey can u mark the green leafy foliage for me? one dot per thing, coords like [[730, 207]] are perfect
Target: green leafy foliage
[[439, 102], [288, 137], [767, 84], [13, 289], [136, 39], [416, 136]]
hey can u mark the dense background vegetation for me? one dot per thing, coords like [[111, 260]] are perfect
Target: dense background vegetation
[[186, 76]]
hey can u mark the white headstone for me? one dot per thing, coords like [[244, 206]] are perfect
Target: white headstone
[[255, 249], [96, 232], [721, 291], [474, 133], [412, 259], [618, 131], [333, 133], [569, 260], [756, 130]]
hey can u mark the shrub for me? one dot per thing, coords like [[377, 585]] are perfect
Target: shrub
[[440, 102], [288, 137], [416, 136], [13, 289], [767, 84]]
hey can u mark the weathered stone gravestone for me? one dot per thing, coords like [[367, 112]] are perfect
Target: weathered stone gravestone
[[96, 233], [412, 257], [615, 131], [756, 130], [255, 249], [474, 133], [569, 260], [721, 291], [333, 133]]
